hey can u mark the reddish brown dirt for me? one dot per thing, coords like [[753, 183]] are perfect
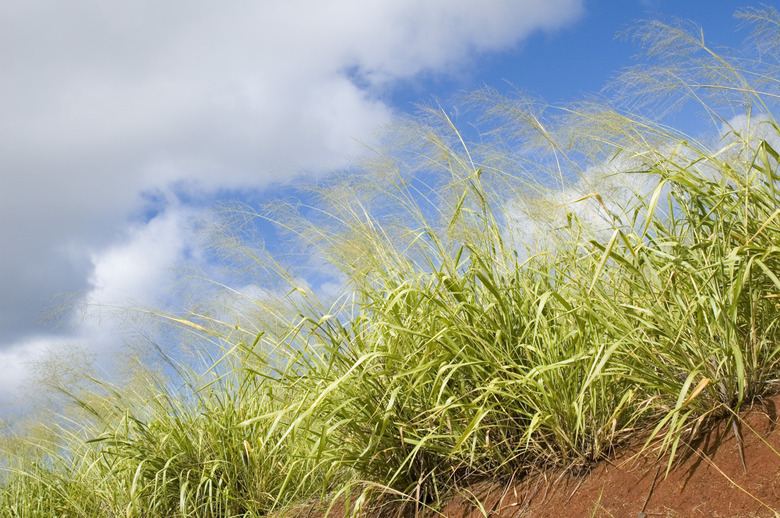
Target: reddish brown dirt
[[709, 482]]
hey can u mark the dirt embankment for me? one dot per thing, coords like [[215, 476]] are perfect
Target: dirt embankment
[[711, 481]]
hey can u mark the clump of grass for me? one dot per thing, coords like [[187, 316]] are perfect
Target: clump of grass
[[579, 277]]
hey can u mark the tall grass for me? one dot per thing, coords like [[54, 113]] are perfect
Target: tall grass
[[578, 277]]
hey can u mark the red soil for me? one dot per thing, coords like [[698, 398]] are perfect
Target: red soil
[[709, 481]]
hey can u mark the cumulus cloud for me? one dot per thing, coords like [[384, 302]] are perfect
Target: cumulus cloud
[[136, 271], [101, 102], [16, 363], [139, 269]]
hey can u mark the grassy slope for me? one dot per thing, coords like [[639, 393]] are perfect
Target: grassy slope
[[579, 276]]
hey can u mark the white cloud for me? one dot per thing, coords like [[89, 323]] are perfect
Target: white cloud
[[602, 193], [16, 362], [535, 218], [102, 101], [141, 266], [752, 129], [138, 270]]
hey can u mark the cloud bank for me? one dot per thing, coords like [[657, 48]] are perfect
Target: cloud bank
[[103, 103]]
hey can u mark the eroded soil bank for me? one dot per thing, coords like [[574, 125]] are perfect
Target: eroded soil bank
[[711, 482]]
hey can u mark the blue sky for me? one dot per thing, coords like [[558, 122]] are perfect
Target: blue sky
[[121, 122]]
